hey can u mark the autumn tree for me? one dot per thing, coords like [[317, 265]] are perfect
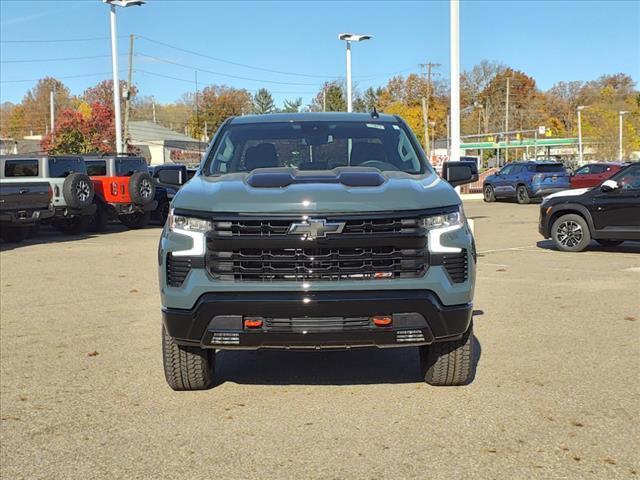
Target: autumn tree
[[103, 93], [216, 103], [36, 115], [82, 131]]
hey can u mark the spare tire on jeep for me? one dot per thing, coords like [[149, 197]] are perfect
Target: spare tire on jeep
[[77, 190], [141, 188]]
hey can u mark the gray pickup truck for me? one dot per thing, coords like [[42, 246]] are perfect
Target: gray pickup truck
[[317, 231]]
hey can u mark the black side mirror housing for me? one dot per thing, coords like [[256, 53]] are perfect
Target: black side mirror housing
[[171, 177], [460, 173]]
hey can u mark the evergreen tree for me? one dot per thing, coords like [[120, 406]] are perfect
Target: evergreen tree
[[292, 106], [263, 102]]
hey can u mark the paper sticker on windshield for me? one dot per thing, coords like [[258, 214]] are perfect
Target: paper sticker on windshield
[[375, 125]]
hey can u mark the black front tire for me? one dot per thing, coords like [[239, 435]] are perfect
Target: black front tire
[[571, 233], [522, 195], [135, 220], [449, 363], [489, 194], [609, 243], [187, 368]]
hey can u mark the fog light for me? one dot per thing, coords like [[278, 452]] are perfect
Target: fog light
[[252, 323], [382, 320], [379, 275]]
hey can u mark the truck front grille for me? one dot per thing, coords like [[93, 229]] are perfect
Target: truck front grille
[[317, 264], [312, 324]]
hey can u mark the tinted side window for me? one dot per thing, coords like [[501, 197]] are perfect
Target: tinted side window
[[507, 170], [21, 168], [97, 168], [63, 167], [128, 166], [629, 179], [550, 168], [597, 168]]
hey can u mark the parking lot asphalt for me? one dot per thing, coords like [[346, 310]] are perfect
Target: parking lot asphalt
[[556, 392]]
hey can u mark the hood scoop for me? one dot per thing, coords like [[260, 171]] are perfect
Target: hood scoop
[[347, 176]]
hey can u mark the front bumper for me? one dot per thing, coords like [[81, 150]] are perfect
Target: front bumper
[[316, 320]]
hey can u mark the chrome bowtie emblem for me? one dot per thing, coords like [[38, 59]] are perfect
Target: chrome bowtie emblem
[[311, 228]]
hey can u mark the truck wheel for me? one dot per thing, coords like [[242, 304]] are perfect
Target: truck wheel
[[74, 225], [14, 234], [163, 212], [136, 220], [489, 194], [448, 363], [571, 233], [141, 188], [77, 190], [187, 368], [609, 243], [98, 221], [522, 195]]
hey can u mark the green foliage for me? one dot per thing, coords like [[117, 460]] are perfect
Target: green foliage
[[292, 106], [263, 102]]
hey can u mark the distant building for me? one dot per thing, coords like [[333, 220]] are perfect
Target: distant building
[[160, 145], [10, 146]]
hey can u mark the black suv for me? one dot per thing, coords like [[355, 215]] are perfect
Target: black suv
[[608, 213]]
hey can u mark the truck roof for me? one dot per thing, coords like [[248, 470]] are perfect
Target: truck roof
[[313, 117]]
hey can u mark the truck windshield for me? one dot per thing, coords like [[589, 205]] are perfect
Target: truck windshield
[[63, 167], [125, 167], [315, 146]]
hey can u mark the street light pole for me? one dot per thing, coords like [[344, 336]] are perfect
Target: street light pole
[[348, 38], [454, 32], [114, 65], [621, 113], [116, 79], [580, 153]]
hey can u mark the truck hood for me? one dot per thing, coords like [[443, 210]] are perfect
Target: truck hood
[[232, 194], [576, 192]]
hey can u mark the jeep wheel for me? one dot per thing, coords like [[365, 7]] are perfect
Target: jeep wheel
[[77, 190], [75, 225], [448, 363], [99, 220], [14, 234], [141, 188], [489, 194], [609, 243], [522, 195], [187, 368], [135, 220], [571, 233]]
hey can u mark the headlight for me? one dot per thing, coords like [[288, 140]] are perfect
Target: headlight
[[444, 220], [189, 224]]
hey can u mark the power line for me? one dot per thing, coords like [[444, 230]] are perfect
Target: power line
[[59, 40], [56, 78], [191, 67], [40, 60]]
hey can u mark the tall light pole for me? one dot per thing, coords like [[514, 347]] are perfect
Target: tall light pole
[[351, 37], [454, 41], [581, 155], [621, 114], [114, 64]]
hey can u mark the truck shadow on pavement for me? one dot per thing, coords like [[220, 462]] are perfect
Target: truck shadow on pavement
[[367, 366], [626, 247]]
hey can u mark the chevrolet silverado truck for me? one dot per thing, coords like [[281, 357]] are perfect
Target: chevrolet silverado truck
[[124, 190], [72, 190], [317, 231]]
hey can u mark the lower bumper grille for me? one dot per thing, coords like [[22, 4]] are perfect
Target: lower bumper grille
[[177, 270], [316, 324], [317, 264]]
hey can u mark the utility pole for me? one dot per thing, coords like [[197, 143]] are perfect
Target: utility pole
[[506, 122], [621, 114], [153, 107], [324, 98], [426, 103], [127, 105]]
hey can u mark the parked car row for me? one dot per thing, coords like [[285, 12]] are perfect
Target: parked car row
[[76, 193], [525, 181]]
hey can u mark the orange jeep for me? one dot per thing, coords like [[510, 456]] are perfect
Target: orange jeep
[[123, 189]]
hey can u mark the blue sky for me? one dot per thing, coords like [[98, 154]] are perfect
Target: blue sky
[[549, 40]]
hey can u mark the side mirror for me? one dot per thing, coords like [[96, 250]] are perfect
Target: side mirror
[[460, 173], [609, 186], [171, 177]]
